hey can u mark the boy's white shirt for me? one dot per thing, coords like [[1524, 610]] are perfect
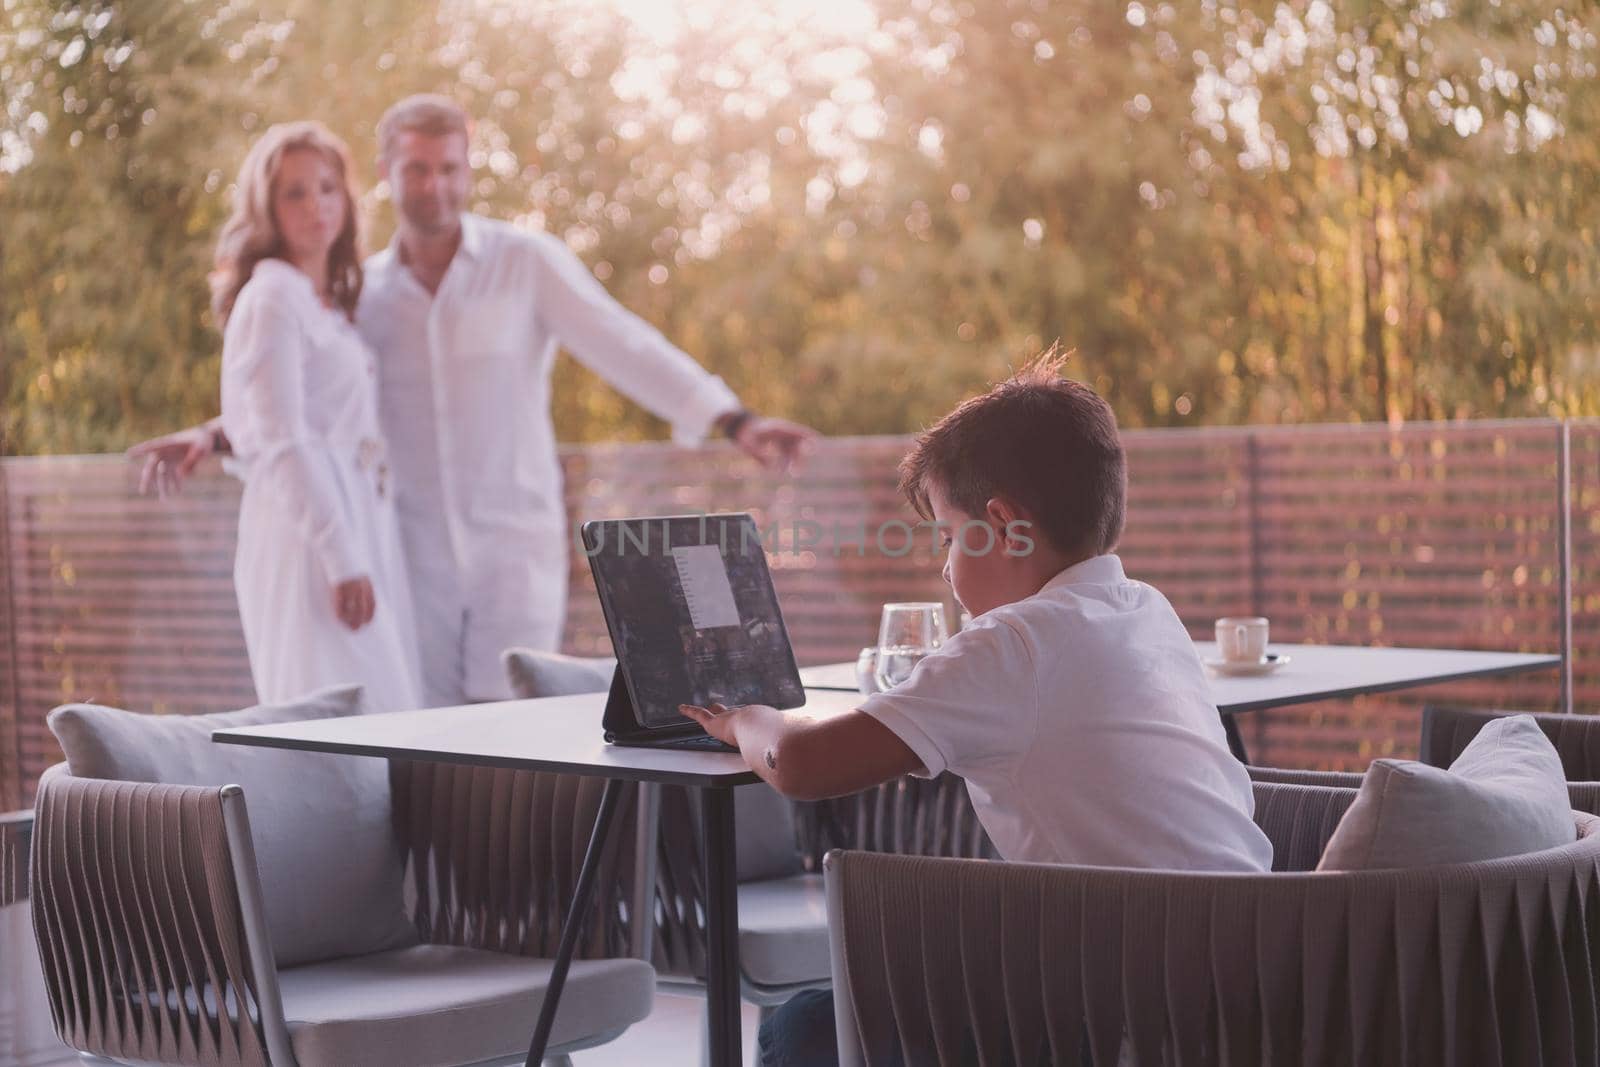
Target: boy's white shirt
[[1082, 721]]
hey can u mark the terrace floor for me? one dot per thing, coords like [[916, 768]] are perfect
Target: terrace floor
[[670, 1037]]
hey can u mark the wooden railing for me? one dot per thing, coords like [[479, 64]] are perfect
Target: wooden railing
[[1445, 535]]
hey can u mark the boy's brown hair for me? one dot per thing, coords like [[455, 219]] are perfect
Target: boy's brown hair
[[1046, 443]]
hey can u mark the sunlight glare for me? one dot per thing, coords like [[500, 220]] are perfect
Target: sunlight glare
[[666, 21]]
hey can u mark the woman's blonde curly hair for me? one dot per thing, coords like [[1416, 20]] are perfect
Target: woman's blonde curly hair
[[251, 233]]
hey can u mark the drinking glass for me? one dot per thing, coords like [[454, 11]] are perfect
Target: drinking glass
[[867, 671], [907, 633]]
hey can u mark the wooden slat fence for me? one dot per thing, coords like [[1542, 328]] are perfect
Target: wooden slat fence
[[1433, 536], [1442, 535]]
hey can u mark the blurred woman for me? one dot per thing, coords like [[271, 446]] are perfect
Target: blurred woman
[[318, 570]]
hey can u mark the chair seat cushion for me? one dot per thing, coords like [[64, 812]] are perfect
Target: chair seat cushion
[[783, 931], [433, 1005], [1505, 795]]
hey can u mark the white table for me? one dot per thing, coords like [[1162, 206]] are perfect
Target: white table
[[1314, 672], [563, 734]]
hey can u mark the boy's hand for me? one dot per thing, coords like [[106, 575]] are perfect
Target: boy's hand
[[805, 756], [719, 721]]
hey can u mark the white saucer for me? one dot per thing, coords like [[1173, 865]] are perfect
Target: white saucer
[[1247, 668]]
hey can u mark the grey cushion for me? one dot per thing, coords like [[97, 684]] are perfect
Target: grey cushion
[[435, 1004], [331, 869], [763, 819], [783, 931], [765, 846], [1505, 795], [550, 674]]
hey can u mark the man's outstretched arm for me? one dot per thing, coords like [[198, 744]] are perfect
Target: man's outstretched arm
[[171, 458], [808, 757], [634, 357]]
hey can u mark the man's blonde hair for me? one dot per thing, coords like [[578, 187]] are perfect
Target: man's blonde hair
[[429, 114]]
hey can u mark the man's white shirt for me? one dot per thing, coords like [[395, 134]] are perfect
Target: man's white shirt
[[1082, 721], [464, 400]]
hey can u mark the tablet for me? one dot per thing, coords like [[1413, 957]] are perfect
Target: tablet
[[693, 616]]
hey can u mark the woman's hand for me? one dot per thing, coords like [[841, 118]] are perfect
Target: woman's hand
[[354, 601], [170, 459]]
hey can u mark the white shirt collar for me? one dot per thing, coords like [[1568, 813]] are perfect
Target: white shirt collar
[[1097, 570], [472, 238]]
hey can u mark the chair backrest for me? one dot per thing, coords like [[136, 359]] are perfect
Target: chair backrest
[[1292, 776], [1298, 820], [955, 961], [906, 816], [147, 908], [493, 855], [1446, 732]]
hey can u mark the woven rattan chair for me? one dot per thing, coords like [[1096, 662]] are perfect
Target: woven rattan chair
[[148, 908], [1446, 731], [957, 962]]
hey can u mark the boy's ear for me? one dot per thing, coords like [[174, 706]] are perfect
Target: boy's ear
[[1001, 512]]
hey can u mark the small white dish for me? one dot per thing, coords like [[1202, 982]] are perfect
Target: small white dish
[[1236, 668]]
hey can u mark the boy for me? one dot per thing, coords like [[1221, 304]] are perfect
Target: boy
[[1073, 704]]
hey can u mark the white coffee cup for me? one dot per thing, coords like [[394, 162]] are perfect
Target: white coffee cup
[[1242, 639]]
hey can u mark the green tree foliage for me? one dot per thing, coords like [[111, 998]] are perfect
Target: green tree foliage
[[1234, 210], [108, 209]]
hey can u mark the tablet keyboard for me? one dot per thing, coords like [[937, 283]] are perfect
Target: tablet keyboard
[[705, 743]]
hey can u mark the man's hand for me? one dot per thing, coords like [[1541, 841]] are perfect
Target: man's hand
[[169, 459], [777, 444], [354, 601]]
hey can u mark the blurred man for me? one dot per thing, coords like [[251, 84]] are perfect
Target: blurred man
[[465, 315]]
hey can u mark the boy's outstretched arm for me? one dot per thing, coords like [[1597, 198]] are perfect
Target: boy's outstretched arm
[[806, 757]]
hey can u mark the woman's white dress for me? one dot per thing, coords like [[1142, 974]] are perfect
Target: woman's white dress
[[299, 405]]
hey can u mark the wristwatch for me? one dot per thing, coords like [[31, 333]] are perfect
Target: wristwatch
[[731, 423]]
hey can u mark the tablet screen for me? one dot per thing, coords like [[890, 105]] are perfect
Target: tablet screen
[[692, 612]]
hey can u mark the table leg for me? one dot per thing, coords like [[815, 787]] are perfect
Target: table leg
[[577, 912], [1230, 727], [724, 1043]]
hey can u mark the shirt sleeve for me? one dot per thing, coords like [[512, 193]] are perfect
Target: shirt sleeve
[[624, 349], [970, 704], [264, 353]]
